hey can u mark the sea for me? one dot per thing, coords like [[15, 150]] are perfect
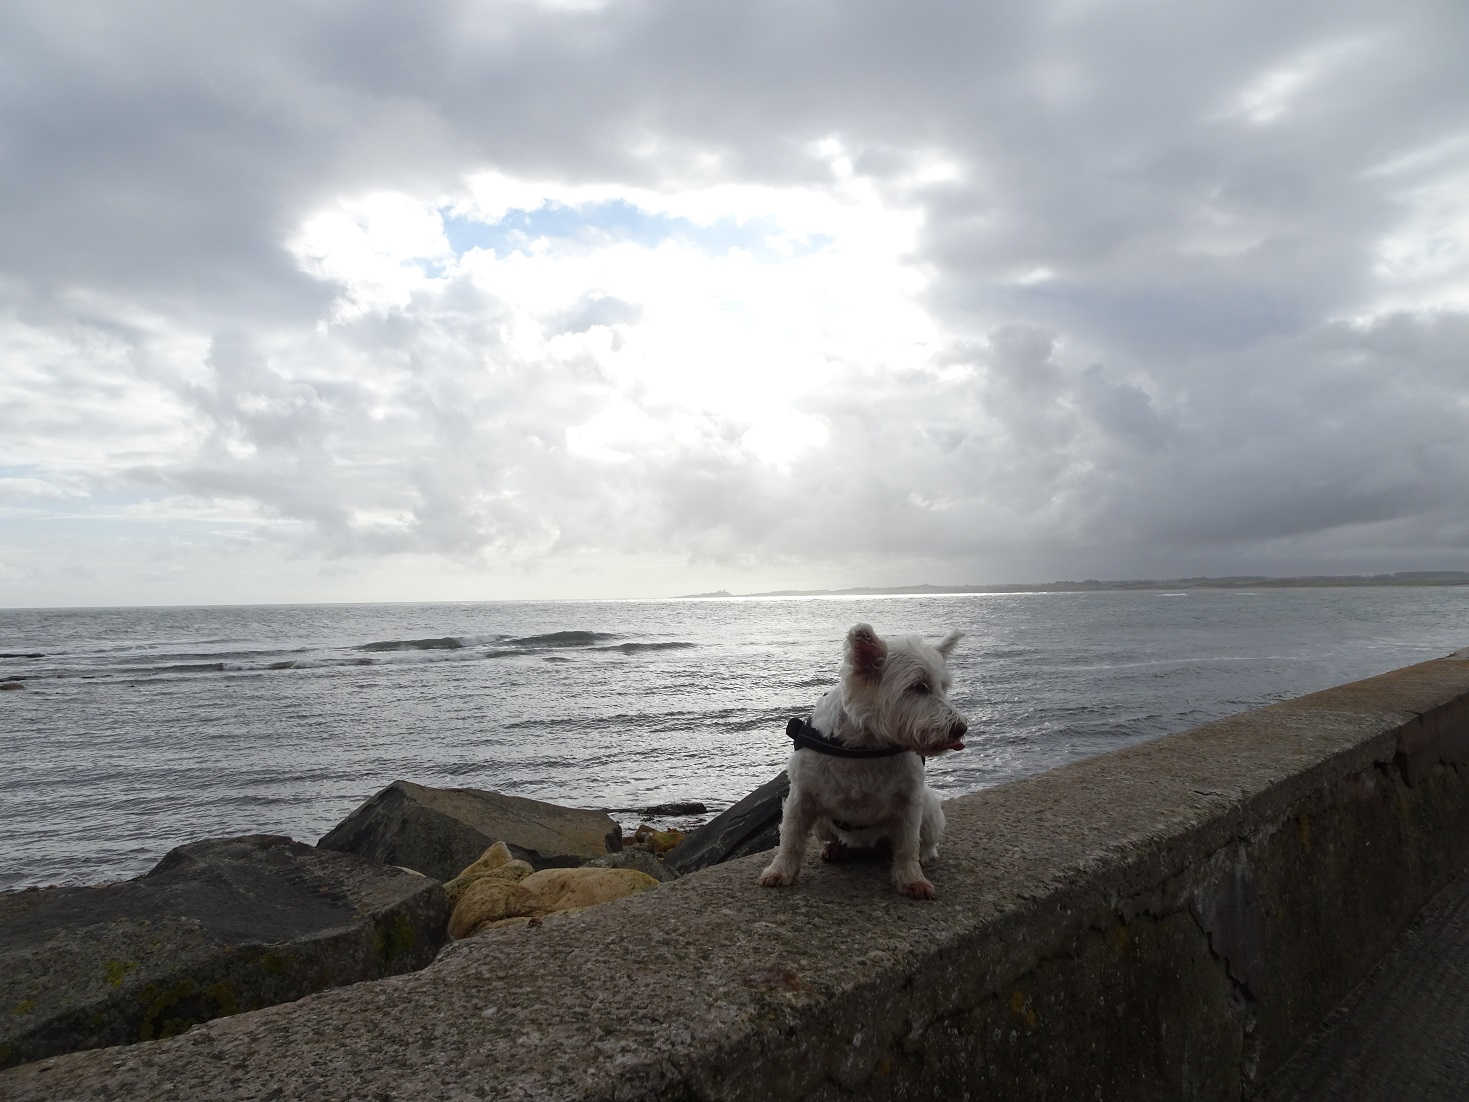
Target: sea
[[140, 729]]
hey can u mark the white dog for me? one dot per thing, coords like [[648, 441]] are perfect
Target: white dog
[[857, 770]]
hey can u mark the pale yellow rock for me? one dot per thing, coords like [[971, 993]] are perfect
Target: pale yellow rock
[[489, 899], [495, 862], [492, 858], [562, 889], [502, 894], [661, 841]]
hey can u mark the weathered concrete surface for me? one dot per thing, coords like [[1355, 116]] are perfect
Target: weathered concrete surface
[[216, 927], [439, 831], [750, 826], [1165, 922], [1404, 1032]]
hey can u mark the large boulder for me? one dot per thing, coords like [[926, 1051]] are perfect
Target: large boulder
[[750, 826], [217, 927], [440, 831]]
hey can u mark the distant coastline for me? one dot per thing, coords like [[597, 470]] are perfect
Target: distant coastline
[[1242, 581]]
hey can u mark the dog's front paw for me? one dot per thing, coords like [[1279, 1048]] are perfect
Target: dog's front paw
[[776, 877], [918, 889]]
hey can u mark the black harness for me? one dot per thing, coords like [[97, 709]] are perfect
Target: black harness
[[807, 737]]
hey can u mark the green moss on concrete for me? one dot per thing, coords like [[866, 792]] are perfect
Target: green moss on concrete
[[169, 1011], [395, 938], [273, 963]]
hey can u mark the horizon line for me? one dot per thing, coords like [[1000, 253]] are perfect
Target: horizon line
[[1203, 581]]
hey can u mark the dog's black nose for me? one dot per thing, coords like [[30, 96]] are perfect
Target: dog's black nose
[[958, 729]]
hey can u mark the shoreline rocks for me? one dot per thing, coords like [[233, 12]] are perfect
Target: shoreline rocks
[[441, 831], [675, 809], [226, 925], [750, 826], [217, 927]]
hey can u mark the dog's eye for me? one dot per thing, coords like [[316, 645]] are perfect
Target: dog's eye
[[921, 688]]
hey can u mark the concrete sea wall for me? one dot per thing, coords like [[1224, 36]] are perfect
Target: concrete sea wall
[[1168, 921]]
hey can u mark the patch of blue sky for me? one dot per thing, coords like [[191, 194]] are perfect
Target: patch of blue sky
[[618, 220]]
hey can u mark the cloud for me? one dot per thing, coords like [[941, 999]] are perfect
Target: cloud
[[792, 295]]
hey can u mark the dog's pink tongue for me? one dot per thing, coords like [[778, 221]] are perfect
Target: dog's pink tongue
[[957, 744]]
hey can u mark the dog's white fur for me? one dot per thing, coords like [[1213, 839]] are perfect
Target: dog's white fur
[[891, 693]]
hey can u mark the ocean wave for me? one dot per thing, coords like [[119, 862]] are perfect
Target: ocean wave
[[251, 799], [194, 656], [650, 721], [322, 663], [447, 642], [563, 639], [559, 722], [237, 667], [813, 683], [490, 652], [775, 723], [1009, 652], [634, 648]]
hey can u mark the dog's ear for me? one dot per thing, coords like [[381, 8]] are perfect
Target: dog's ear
[[865, 652], [946, 648]]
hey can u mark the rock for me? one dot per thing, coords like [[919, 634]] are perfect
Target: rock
[[496, 857], [11, 686], [563, 889], [439, 831], [490, 899], [750, 826], [659, 841], [217, 927], [495, 862], [518, 920], [677, 808], [639, 859], [687, 807]]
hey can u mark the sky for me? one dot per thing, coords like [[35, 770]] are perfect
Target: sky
[[319, 301]]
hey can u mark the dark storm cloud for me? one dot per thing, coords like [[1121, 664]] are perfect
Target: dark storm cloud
[[1172, 341]]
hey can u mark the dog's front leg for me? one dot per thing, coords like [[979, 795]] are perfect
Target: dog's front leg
[[907, 872], [931, 827], [797, 815]]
